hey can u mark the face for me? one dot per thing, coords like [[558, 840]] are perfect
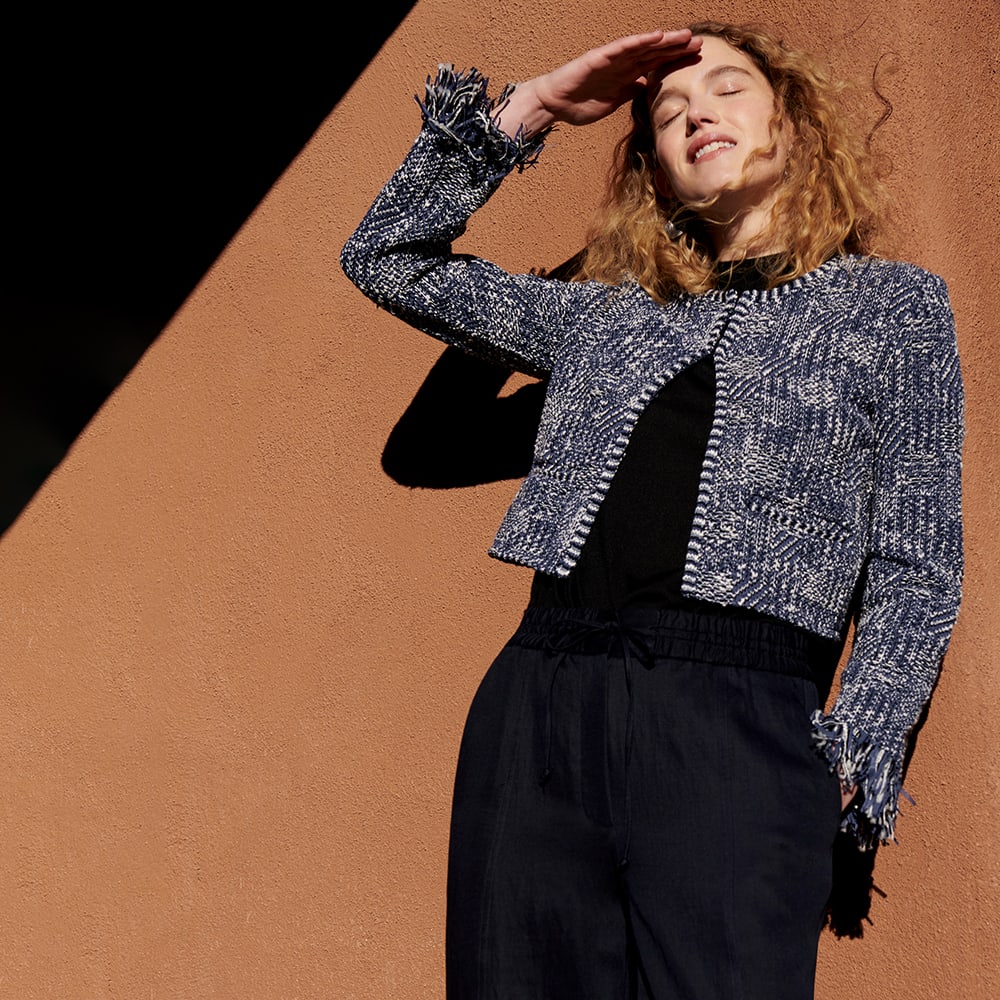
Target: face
[[709, 113]]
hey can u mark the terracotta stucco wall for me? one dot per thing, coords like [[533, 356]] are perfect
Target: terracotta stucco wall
[[237, 656]]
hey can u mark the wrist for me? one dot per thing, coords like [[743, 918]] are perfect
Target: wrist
[[524, 112]]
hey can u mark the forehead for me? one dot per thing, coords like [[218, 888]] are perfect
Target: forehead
[[714, 58]]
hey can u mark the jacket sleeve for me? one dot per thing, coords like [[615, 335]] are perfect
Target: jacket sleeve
[[401, 256], [913, 573]]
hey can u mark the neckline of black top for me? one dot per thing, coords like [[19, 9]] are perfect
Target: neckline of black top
[[751, 275]]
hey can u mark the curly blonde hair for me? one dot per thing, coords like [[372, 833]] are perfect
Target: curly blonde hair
[[828, 205]]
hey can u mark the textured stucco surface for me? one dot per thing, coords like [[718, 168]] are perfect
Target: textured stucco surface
[[237, 656]]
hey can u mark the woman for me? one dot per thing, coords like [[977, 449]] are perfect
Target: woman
[[751, 433]]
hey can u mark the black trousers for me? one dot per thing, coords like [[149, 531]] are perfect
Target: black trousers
[[639, 813]]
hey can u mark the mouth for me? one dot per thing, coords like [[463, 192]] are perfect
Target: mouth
[[708, 148]]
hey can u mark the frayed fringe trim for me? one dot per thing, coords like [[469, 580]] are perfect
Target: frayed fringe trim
[[876, 771], [457, 105]]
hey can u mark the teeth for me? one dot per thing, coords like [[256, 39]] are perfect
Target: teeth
[[711, 148]]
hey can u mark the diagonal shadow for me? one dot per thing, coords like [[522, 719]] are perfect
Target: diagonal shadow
[[136, 148]]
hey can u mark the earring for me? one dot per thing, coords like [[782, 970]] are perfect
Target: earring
[[674, 232]]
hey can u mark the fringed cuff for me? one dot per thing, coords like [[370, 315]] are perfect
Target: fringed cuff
[[457, 105], [875, 770]]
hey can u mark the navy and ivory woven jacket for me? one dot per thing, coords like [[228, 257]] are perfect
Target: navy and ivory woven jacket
[[834, 463]]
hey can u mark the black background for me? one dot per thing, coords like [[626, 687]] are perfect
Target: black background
[[136, 145]]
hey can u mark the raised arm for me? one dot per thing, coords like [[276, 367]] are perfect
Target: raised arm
[[401, 255]]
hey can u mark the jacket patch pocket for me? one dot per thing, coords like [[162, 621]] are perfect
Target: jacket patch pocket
[[799, 519]]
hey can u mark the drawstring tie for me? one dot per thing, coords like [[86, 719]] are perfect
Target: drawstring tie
[[632, 641]]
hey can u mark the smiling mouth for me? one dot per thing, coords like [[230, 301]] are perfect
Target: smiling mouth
[[711, 147]]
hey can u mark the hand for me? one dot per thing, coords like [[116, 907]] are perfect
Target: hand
[[847, 796], [590, 87]]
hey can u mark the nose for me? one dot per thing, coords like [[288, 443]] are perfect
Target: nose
[[700, 114]]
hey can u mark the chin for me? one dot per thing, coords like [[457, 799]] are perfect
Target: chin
[[719, 188]]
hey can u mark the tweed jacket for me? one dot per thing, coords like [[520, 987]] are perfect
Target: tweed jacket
[[832, 477]]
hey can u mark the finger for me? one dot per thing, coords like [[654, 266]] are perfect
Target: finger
[[631, 45], [655, 69], [687, 47], [681, 40], [653, 59], [661, 36], [637, 67], [658, 55]]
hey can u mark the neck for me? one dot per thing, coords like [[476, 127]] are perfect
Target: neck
[[745, 232], [739, 244]]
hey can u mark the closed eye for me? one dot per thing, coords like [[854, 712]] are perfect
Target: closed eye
[[667, 119]]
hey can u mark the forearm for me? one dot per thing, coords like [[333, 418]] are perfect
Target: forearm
[[401, 255]]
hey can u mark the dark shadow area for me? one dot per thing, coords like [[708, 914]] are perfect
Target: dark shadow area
[[136, 146], [853, 884], [459, 430]]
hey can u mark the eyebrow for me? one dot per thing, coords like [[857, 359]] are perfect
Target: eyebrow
[[715, 71]]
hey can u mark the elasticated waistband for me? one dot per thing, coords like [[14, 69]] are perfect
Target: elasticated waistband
[[693, 636]]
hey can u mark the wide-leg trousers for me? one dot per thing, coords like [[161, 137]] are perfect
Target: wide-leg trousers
[[639, 813]]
